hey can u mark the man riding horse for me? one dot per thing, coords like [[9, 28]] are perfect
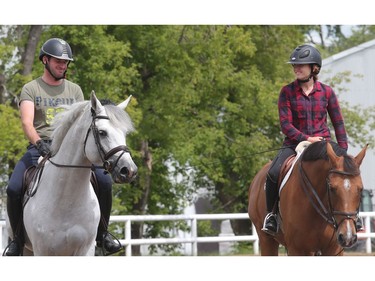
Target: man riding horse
[[40, 100]]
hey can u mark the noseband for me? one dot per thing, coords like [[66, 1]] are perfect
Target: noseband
[[108, 166], [328, 215]]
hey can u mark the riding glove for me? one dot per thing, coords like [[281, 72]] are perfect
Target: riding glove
[[43, 147]]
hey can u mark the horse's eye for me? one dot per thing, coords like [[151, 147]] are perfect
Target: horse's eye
[[333, 189], [102, 133]]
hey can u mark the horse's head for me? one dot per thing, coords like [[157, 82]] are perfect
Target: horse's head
[[344, 186], [106, 140]]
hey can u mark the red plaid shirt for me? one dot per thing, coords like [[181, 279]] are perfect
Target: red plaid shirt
[[304, 116]]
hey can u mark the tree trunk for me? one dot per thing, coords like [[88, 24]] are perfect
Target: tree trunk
[[27, 58], [2, 89], [137, 228]]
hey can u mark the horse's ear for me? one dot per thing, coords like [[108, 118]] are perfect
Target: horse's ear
[[332, 155], [358, 159], [95, 103], [93, 98], [125, 103]]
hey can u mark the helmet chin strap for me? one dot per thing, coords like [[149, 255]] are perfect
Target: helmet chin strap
[[53, 75], [307, 79]]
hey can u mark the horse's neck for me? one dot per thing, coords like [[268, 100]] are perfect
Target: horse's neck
[[317, 173], [71, 151], [69, 156]]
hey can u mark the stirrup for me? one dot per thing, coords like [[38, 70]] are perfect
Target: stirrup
[[102, 244], [8, 247], [268, 219]]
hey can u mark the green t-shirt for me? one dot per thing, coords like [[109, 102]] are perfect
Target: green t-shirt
[[47, 100]]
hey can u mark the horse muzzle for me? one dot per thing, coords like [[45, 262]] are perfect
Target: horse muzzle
[[121, 167], [124, 174], [346, 233]]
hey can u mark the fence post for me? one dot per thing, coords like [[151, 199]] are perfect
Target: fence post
[[194, 235], [128, 237], [368, 230]]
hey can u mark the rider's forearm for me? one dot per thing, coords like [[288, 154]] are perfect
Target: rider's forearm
[[30, 133]]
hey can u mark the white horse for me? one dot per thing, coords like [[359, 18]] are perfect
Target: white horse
[[62, 215]]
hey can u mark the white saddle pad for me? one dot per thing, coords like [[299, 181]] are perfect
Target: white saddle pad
[[299, 149]]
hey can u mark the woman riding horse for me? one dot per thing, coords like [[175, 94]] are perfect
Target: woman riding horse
[[303, 107]]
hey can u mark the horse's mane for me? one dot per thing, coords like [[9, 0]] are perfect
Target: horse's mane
[[119, 118], [75, 112], [318, 150]]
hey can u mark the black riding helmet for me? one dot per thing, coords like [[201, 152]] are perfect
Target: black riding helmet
[[305, 54], [56, 48]]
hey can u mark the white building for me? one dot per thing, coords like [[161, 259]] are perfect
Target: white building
[[360, 61]]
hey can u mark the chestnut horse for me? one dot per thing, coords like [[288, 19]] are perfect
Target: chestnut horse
[[317, 206]]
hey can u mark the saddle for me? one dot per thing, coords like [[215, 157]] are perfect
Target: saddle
[[285, 168], [31, 179], [287, 165], [289, 162]]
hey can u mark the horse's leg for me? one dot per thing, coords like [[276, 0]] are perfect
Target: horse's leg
[[257, 211], [268, 245], [299, 252], [333, 250], [27, 252]]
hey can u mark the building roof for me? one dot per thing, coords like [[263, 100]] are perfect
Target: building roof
[[348, 52]]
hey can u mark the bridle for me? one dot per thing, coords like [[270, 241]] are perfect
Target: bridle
[[108, 166], [327, 215]]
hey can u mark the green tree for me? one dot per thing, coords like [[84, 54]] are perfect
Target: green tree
[[209, 101]]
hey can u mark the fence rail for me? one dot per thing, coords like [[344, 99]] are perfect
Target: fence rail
[[193, 238]]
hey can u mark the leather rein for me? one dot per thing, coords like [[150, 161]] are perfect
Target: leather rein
[[108, 166], [327, 215]]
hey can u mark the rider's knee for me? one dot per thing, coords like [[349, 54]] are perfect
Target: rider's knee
[[14, 191], [104, 181], [272, 175]]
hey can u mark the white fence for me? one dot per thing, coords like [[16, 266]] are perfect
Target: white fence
[[192, 221]]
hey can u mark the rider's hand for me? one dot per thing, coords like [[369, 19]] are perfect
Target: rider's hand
[[315, 139], [43, 147]]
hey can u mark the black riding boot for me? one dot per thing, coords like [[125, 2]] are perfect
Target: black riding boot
[[104, 239], [359, 224], [270, 221], [14, 210]]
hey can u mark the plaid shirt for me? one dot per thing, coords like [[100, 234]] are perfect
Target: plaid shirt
[[304, 116]]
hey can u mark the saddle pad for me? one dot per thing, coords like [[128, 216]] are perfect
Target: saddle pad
[[299, 149]]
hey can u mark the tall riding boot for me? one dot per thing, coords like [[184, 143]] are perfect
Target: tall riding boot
[[359, 224], [104, 239], [14, 210], [270, 221]]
